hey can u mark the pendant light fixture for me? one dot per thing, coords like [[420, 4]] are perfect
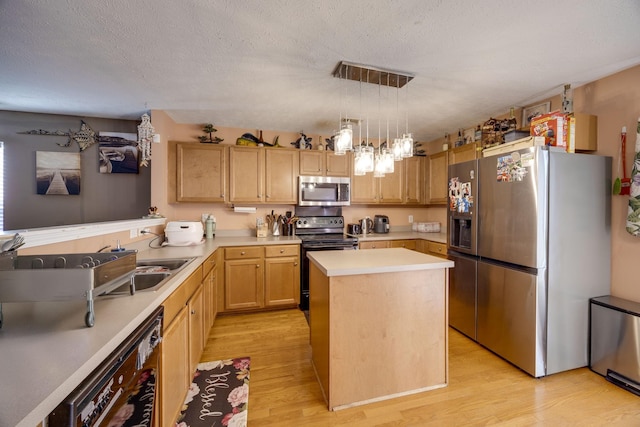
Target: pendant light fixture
[[344, 137], [364, 158], [407, 139]]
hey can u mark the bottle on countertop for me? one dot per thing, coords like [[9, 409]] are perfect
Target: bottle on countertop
[[210, 227]]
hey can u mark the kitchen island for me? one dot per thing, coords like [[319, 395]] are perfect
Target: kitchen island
[[378, 321]]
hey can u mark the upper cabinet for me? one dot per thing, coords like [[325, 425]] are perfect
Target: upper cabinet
[[464, 153], [403, 186], [324, 163], [200, 172], [436, 186], [413, 180], [263, 175]]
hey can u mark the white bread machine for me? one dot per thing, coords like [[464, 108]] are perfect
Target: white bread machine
[[184, 233]]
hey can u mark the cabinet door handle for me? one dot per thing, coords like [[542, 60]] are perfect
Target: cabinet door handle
[[281, 251], [193, 311], [257, 265], [242, 253], [295, 264]]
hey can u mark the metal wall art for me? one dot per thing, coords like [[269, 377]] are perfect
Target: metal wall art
[[85, 137]]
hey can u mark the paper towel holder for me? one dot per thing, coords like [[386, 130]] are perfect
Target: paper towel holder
[[244, 209]]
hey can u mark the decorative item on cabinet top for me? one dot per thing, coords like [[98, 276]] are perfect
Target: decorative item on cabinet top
[[208, 137], [251, 140]]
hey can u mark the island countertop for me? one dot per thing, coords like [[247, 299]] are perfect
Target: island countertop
[[367, 261]]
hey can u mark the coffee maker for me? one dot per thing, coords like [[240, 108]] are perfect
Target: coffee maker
[[380, 224]]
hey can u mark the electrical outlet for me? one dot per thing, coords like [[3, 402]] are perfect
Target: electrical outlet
[[410, 219], [144, 231], [133, 233]]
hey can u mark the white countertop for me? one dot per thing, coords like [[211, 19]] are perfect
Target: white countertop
[[46, 350], [371, 261]]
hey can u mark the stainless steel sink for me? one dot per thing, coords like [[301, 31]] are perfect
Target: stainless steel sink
[[141, 282], [150, 275], [171, 264]]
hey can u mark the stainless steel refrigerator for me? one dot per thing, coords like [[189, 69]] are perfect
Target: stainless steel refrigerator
[[462, 247], [543, 249]]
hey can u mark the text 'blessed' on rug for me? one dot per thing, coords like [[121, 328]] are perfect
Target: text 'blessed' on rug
[[218, 395]]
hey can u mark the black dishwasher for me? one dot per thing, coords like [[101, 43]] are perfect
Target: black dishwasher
[[121, 391]]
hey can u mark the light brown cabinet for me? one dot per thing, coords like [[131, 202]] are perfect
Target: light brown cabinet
[[181, 345], [244, 278], [367, 189], [195, 309], [258, 277], [324, 163], [263, 175], [200, 172], [377, 244], [437, 249], [407, 244], [437, 169], [464, 153], [282, 276], [174, 368], [413, 180], [210, 288]]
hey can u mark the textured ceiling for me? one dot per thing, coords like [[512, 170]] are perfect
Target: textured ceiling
[[267, 64]]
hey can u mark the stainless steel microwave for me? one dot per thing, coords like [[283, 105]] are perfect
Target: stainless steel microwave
[[324, 191]]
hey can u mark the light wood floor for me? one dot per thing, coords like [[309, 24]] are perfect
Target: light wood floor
[[483, 389]]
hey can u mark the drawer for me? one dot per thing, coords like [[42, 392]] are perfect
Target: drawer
[[179, 298], [438, 248], [377, 244], [208, 265], [242, 252], [407, 244], [281, 250]]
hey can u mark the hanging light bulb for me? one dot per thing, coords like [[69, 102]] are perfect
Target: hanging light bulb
[[378, 160], [407, 139], [344, 139], [407, 145], [388, 161], [358, 163], [397, 142]]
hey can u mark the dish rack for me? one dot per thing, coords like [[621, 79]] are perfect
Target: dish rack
[[63, 277]]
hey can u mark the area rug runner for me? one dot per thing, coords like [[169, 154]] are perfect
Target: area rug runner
[[218, 395]]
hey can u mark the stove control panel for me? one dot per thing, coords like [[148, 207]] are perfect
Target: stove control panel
[[320, 222]]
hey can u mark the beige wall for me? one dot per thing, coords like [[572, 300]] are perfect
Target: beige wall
[[616, 102], [225, 217]]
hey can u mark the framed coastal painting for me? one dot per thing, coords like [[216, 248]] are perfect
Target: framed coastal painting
[[118, 152], [57, 173], [529, 113]]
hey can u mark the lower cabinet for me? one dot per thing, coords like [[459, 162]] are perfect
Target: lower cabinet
[[196, 329], [282, 276], [243, 278], [210, 288], [259, 277], [174, 368], [182, 345]]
